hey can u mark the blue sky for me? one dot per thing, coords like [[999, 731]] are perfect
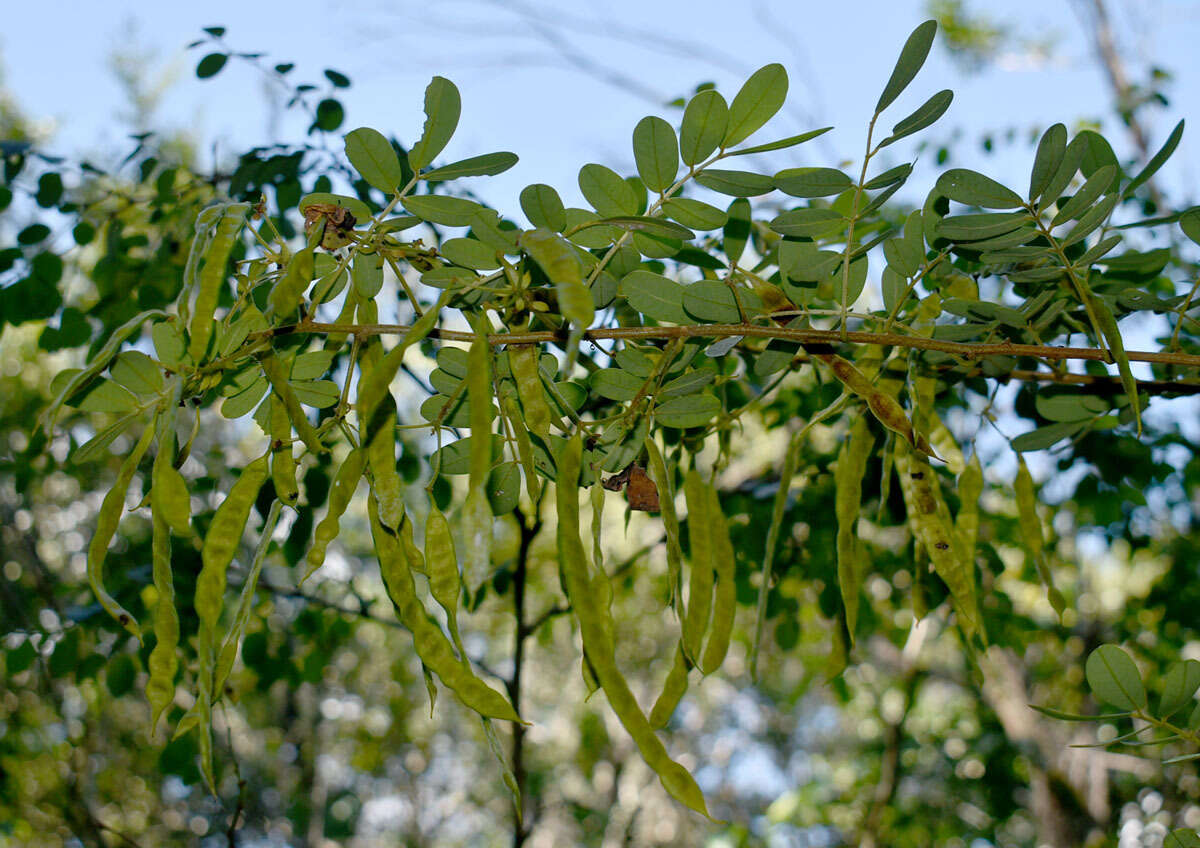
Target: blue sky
[[521, 91]]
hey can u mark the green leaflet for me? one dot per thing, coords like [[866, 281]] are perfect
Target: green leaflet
[[1064, 173], [756, 103], [1112, 336], [924, 116], [607, 191], [444, 210], [431, 644], [138, 373], [1156, 161], [848, 477], [484, 165], [1114, 678], [975, 189], [812, 182], [1050, 150], [703, 126], [543, 207], [1088, 193], [211, 278], [1179, 687], [372, 155], [912, 57], [443, 105], [367, 273], [595, 626], [694, 213], [656, 152], [98, 363], [735, 183], [779, 144]]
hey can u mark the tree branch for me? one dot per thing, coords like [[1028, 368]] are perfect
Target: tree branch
[[966, 350]]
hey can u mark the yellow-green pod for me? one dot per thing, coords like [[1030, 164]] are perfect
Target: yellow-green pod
[[275, 372], [700, 582], [106, 525], [477, 510], [886, 409], [345, 481], [442, 561], [666, 504], [725, 594], [283, 461], [596, 496], [286, 293], [589, 676], [939, 540], [1033, 533], [168, 491], [1031, 525], [931, 427], [220, 544], [674, 688], [790, 463], [374, 383], [241, 616], [591, 614], [839, 653], [377, 429], [430, 687], [524, 447], [167, 506], [416, 559], [523, 360], [212, 277], [163, 662], [506, 772], [848, 477], [970, 487], [431, 644]]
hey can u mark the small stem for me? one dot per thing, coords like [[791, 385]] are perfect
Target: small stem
[[858, 190]]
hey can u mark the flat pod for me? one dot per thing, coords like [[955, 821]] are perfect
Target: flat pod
[[596, 629]]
